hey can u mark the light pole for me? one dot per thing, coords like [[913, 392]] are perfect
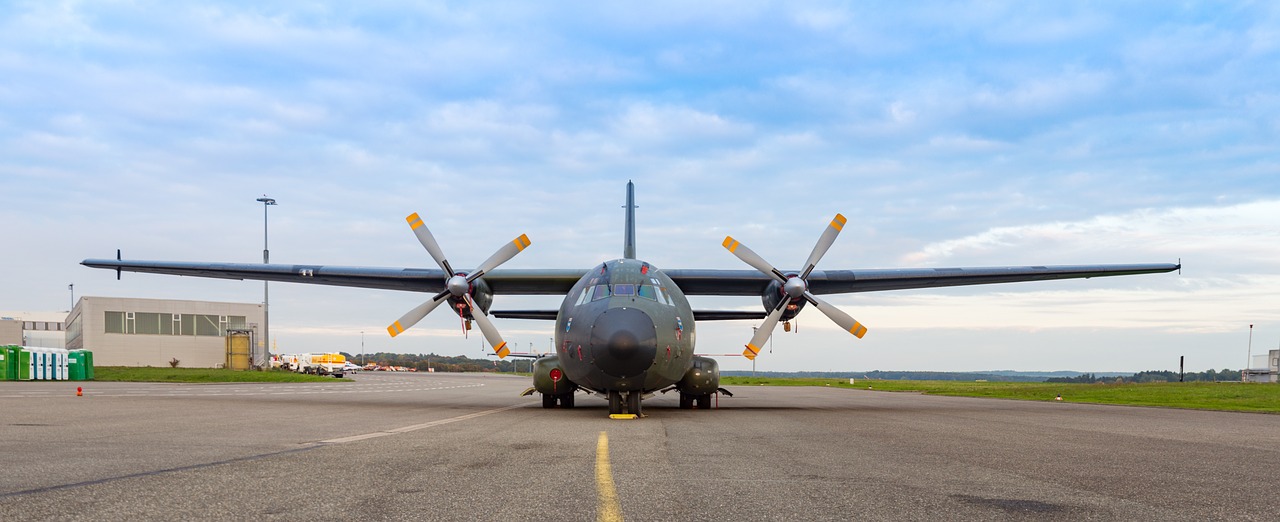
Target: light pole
[[362, 350], [72, 288], [266, 302], [1244, 374]]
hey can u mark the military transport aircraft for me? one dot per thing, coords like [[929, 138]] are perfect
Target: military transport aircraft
[[625, 329]]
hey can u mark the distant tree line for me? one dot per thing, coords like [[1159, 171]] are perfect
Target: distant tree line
[[893, 376], [441, 363], [1155, 376]]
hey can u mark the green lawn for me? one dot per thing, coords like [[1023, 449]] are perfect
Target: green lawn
[[1226, 396], [206, 375]]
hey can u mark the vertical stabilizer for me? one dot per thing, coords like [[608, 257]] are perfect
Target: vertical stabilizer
[[629, 241]]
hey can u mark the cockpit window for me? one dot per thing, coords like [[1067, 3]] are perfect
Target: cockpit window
[[600, 292], [604, 291]]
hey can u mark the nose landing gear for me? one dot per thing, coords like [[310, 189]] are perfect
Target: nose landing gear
[[619, 404]]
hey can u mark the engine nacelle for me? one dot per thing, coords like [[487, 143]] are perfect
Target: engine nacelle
[[549, 378], [480, 293], [774, 294], [702, 379]]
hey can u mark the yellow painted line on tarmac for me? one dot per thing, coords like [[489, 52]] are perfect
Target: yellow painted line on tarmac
[[608, 510], [417, 427]]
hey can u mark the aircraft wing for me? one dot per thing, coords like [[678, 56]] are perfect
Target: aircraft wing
[[690, 281], [698, 315], [753, 283], [430, 280]]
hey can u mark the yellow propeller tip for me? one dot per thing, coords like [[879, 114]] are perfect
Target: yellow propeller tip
[[395, 329]]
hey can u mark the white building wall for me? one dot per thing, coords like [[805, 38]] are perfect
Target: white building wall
[[1274, 366], [36, 329], [10, 331], [125, 349]]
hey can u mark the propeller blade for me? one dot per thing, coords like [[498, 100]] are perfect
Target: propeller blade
[[503, 255], [749, 257], [837, 315], [763, 332], [824, 243], [429, 242], [490, 332], [408, 320]]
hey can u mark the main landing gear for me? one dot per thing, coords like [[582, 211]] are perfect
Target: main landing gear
[[624, 404]]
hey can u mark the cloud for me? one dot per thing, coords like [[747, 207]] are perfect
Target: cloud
[[1241, 231]]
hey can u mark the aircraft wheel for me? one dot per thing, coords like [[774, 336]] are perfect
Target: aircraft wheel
[[633, 402], [615, 402], [566, 401], [686, 401], [704, 401], [548, 400]]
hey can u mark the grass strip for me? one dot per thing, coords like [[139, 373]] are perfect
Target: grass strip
[[1221, 396], [201, 375]]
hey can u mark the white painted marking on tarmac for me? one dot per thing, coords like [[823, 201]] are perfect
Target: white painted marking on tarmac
[[255, 390], [416, 427]]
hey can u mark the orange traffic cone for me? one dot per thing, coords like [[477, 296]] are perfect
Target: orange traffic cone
[[79, 391]]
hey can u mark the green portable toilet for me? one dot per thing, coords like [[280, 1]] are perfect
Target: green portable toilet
[[12, 356], [75, 365], [25, 367], [4, 363], [88, 365]]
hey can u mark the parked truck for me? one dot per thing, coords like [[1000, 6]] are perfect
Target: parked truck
[[315, 363]]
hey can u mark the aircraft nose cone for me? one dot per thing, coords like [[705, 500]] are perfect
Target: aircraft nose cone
[[624, 342]]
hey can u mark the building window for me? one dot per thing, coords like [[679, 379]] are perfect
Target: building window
[[115, 322], [207, 325], [148, 323]]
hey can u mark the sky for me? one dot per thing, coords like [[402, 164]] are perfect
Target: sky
[[950, 134]]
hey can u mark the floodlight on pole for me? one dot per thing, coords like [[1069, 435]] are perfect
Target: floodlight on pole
[[1244, 374], [266, 259]]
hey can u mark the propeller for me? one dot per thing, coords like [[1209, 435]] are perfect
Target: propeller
[[796, 287], [458, 285]]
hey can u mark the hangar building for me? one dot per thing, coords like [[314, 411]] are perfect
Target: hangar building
[[151, 332], [1266, 368], [41, 329]]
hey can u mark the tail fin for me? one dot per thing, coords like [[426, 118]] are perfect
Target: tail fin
[[629, 241]]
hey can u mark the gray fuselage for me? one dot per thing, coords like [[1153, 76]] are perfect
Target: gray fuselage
[[625, 326]]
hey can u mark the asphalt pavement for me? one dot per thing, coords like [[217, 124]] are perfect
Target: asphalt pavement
[[468, 447]]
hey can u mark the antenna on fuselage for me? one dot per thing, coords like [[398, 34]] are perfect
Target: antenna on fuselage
[[629, 240]]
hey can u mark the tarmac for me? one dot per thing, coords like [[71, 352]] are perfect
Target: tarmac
[[468, 447]]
